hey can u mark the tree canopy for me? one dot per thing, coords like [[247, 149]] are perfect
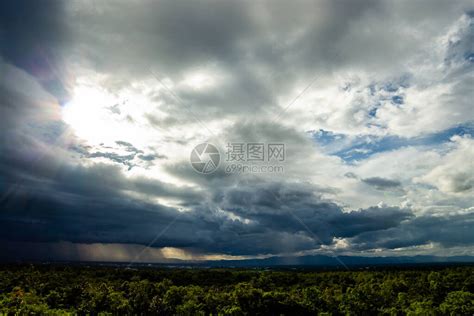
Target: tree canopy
[[57, 290]]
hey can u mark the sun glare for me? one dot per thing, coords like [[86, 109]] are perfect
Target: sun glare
[[88, 113]]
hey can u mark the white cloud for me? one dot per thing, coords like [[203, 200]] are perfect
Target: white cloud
[[454, 173]]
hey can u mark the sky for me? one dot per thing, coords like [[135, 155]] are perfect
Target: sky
[[329, 127]]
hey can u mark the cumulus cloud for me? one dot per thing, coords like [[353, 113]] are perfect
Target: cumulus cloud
[[447, 230], [455, 171]]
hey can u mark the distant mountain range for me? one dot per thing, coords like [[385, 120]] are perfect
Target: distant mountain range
[[341, 261], [317, 261]]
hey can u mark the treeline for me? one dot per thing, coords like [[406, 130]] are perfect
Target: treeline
[[60, 290]]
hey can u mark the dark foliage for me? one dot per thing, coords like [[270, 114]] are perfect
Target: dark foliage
[[105, 290]]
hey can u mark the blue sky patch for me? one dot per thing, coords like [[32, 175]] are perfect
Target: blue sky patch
[[354, 148]]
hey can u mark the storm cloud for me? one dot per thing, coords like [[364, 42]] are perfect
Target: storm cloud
[[102, 103]]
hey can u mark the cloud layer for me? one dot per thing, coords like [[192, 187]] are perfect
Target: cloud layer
[[101, 105]]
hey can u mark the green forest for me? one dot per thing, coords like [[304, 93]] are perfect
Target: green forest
[[64, 290]]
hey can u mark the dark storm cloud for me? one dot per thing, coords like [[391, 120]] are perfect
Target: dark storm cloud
[[448, 230], [67, 251], [151, 157], [124, 159], [33, 36], [276, 210], [260, 48], [351, 175], [78, 215], [282, 207], [45, 201], [48, 199], [382, 183]]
